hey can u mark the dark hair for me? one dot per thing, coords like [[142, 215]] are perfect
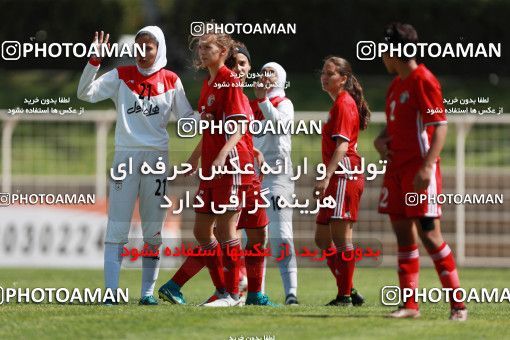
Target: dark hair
[[220, 39], [353, 87], [238, 47], [399, 33], [147, 34]]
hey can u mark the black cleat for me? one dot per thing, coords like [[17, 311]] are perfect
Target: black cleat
[[340, 301], [291, 299], [357, 298]]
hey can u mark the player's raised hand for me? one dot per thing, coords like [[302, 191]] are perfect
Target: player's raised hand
[[99, 41]]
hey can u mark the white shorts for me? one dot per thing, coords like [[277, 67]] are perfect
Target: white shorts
[[150, 189]]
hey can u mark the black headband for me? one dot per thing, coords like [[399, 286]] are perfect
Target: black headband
[[243, 50]]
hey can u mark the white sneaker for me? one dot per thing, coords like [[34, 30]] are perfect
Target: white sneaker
[[225, 301], [216, 295], [458, 315], [403, 313]]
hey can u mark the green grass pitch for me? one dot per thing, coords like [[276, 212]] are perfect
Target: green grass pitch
[[310, 320]]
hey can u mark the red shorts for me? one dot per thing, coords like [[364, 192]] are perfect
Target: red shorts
[[257, 219], [347, 195], [214, 197], [399, 198]]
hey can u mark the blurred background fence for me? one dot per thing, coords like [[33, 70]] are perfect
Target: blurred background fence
[[73, 154]]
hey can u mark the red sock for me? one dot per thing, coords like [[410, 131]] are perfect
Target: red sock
[[254, 272], [214, 264], [346, 264], [409, 271], [231, 263], [332, 262], [242, 268], [447, 271], [189, 268]]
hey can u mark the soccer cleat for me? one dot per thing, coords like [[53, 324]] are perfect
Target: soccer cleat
[[340, 301], [458, 314], [403, 313], [224, 301], [357, 298], [291, 300], [149, 300], [216, 295], [171, 292], [259, 299]]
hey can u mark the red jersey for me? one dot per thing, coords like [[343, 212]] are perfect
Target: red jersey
[[224, 103], [343, 122], [408, 123]]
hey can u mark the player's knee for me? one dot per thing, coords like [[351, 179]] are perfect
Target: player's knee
[[201, 235], [322, 242], [427, 223], [340, 240], [256, 237]]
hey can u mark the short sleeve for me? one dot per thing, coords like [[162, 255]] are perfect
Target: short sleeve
[[233, 105], [342, 121], [430, 102]]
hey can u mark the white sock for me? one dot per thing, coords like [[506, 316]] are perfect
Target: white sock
[[112, 263], [150, 271], [288, 271], [289, 278]]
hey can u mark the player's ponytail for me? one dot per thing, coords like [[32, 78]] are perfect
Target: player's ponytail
[[353, 87], [356, 91]]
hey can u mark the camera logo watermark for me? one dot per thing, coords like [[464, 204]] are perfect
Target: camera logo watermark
[[394, 295], [369, 50], [15, 50], [199, 28], [413, 199]]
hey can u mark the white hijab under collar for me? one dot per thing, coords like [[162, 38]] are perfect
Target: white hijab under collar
[[281, 77], [160, 61]]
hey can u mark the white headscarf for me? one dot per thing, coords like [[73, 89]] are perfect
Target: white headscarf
[[160, 61], [281, 77]]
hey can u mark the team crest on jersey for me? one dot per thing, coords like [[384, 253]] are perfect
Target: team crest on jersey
[[160, 87], [210, 100], [404, 96], [118, 185]]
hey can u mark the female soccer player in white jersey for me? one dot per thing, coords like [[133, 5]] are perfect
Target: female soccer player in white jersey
[[272, 107], [144, 95]]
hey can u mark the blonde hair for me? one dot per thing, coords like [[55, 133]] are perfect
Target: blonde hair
[[220, 39]]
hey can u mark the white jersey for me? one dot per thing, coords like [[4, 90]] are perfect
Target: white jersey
[[275, 147], [143, 104]]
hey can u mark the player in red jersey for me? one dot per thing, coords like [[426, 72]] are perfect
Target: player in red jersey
[[254, 224], [220, 149], [349, 114], [412, 141]]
